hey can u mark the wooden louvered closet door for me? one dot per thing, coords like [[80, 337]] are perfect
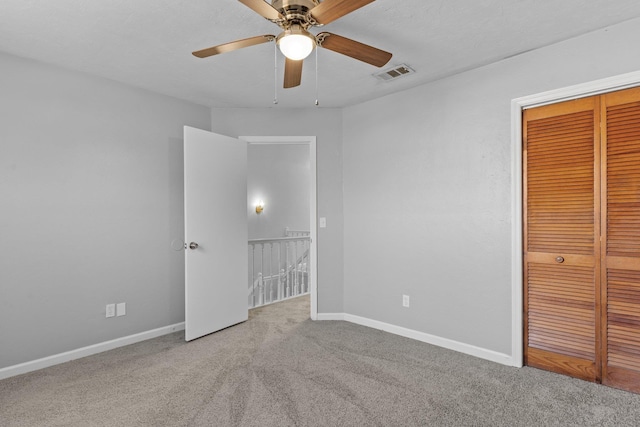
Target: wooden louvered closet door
[[621, 239], [561, 272], [581, 165]]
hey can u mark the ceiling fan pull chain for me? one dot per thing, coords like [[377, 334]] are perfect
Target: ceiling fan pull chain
[[317, 103], [275, 74]]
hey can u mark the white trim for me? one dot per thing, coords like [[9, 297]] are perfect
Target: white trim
[[313, 224], [583, 90], [296, 140], [471, 350], [517, 340], [331, 316], [67, 356], [313, 208]]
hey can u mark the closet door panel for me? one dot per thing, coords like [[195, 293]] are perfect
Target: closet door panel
[[561, 318], [561, 188], [621, 239]]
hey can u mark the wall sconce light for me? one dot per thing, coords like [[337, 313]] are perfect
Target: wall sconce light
[[259, 207]]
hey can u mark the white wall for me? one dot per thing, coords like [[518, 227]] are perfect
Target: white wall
[[91, 197], [427, 190], [279, 175], [326, 126]]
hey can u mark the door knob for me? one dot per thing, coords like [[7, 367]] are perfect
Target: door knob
[[558, 259], [193, 245]]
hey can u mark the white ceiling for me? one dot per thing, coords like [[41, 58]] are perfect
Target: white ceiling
[[148, 43]]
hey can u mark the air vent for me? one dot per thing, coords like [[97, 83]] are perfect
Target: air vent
[[395, 72]]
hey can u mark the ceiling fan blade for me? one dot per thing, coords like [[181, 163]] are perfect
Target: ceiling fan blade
[[330, 10], [263, 9], [353, 49], [228, 47], [292, 73]]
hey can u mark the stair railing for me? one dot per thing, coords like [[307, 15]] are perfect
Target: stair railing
[[278, 269]]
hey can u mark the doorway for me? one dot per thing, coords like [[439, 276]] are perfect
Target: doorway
[[310, 142]]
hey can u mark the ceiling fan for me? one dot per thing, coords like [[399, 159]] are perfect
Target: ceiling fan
[[295, 17]]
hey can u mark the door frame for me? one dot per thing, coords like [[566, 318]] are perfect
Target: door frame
[[582, 90], [313, 203]]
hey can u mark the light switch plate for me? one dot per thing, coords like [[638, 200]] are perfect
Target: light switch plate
[[323, 222], [405, 300]]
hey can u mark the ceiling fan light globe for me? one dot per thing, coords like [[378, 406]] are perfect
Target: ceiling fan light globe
[[296, 46]]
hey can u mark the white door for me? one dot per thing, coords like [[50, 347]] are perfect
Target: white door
[[216, 260]]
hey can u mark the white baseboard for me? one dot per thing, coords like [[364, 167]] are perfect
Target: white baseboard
[[330, 316], [67, 356], [471, 350], [56, 359]]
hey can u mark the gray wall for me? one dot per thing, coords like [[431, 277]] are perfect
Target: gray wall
[[427, 190], [326, 125], [91, 197], [278, 174]]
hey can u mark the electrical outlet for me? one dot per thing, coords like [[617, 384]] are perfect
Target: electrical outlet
[[111, 310], [121, 309], [405, 300]]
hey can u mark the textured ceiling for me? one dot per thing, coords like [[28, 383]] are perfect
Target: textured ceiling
[[148, 43]]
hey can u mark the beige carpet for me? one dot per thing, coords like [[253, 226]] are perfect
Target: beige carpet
[[281, 369]]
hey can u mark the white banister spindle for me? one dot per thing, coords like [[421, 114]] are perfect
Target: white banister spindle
[[296, 285], [288, 274], [307, 245], [263, 253], [253, 280], [270, 272], [287, 293], [282, 280], [280, 271], [260, 290]]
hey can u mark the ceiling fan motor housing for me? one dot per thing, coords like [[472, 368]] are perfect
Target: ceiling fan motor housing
[[295, 12]]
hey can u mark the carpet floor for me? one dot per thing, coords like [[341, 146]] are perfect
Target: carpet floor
[[281, 369]]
